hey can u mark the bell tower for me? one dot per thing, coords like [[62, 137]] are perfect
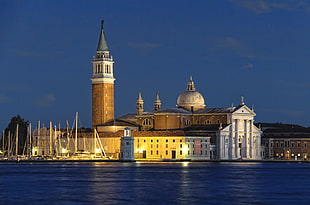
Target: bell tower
[[102, 83]]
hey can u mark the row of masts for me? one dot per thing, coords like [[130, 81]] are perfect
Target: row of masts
[[51, 146]]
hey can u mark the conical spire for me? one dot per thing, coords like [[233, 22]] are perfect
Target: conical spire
[[157, 102], [139, 104], [102, 44]]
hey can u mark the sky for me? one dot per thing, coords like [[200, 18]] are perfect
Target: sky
[[258, 49]]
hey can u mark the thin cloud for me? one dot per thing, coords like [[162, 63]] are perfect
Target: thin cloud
[[248, 66], [225, 43], [45, 100], [266, 6], [26, 53], [144, 45]]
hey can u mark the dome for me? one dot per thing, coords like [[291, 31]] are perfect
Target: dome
[[191, 99]]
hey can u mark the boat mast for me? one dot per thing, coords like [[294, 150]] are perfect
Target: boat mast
[[51, 141], [38, 138], [16, 140], [76, 130], [30, 140], [9, 144], [3, 141]]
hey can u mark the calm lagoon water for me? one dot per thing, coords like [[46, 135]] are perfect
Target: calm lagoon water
[[155, 183]]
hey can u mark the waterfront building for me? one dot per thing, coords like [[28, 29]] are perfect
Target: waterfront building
[[285, 141], [189, 131]]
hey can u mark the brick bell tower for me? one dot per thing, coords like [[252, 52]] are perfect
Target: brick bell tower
[[102, 83]]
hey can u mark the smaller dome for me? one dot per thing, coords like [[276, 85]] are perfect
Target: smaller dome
[[191, 99]]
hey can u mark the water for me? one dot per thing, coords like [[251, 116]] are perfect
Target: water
[[154, 183]]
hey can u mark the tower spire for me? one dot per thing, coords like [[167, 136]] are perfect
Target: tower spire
[[157, 103], [139, 104], [102, 83], [102, 43]]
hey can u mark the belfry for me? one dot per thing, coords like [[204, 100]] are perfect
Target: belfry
[[102, 83]]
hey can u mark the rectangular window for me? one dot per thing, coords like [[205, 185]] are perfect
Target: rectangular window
[[305, 144], [151, 152], [281, 144], [166, 152], [181, 152], [166, 145], [277, 144], [180, 145], [292, 144], [298, 144]]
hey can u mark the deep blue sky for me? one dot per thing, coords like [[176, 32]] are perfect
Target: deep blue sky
[[258, 49]]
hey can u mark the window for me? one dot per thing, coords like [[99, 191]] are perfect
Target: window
[[180, 145], [157, 152], [292, 144], [173, 140], [181, 152], [166, 145], [298, 144], [281, 144], [187, 122], [305, 144], [218, 121], [146, 122], [166, 152], [166, 140], [151, 152]]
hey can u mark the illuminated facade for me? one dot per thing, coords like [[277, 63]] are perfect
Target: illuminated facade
[[189, 131]]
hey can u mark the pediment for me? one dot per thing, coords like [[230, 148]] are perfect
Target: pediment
[[244, 110]]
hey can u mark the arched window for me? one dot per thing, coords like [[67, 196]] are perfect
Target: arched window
[[146, 122], [187, 122], [207, 122]]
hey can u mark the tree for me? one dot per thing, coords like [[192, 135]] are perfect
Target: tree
[[11, 132]]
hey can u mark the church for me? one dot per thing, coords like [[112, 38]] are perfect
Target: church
[[189, 131]]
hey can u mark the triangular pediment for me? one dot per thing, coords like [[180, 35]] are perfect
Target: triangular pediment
[[243, 110]]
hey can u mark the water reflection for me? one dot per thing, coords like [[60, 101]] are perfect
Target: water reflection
[[155, 183]]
